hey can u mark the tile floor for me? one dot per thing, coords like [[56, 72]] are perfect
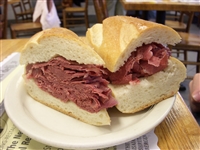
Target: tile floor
[[190, 69]]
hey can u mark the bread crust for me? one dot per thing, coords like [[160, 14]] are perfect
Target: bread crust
[[69, 108], [119, 37], [150, 90], [58, 41], [122, 34], [50, 43]]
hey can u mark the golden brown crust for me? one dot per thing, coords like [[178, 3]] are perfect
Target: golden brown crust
[[123, 34], [58, 41], [58, 32], [150, 90]]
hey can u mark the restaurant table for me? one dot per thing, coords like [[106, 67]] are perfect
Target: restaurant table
[[161, 6], [179, 130], [13, 1]]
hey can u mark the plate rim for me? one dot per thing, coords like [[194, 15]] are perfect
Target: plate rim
[[87, 145]]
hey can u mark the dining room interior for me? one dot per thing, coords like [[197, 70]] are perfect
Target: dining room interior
[[178, 129], [81, 30]]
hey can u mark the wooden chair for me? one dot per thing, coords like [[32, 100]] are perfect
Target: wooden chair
[[20, 14], [3, 19], [190, 42], [172, 15], [24, 24], [75, 16], [27, 5], [62, 5], [24, 29], [27, 8], [100, 9], [180, 25]]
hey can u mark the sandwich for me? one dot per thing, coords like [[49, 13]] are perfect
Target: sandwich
[[66, 74], [141, 70], [123, 62]]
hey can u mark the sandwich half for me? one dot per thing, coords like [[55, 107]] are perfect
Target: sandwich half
[[141, 70], [64, 73]]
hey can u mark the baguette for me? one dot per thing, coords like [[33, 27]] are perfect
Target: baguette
[[50, 87], [150, 90], [120, 38]]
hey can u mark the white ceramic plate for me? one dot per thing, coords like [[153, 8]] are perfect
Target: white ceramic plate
[[50, 127]]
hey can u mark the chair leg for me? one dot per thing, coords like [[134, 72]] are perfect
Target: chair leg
[[178, 51], [86, 21], [64, 19], [185, 56], [13, 33]]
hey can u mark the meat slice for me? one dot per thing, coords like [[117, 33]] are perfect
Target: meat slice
[[87, 85], [66, 80], [147, 60]]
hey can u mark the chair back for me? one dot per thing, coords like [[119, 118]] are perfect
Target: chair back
[[17, 9], [180, 25], [100, 9], [190, 16], [86, 5], [20, 14], [28, 9], [26, 5], [189, 43], [3, 18], [72, 18]]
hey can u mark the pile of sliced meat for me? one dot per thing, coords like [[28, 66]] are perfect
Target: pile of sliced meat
[[147, 60], [87, 85], [67, 80]]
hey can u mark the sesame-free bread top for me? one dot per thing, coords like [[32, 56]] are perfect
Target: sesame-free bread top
[[150, 90], [118, 36], [50, 43], [58, 41]]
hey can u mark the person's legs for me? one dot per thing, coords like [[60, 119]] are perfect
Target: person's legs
[[119, 10], [110, 4], [160, 17], [145, 15]]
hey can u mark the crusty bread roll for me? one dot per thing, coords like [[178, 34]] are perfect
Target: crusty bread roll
[[69, 108], [54, 42], [118, 36], [58, 41], [150, 90], [115, 40]]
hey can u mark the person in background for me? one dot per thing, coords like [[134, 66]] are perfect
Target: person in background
[[118, 8], [194, 87], [157, 16]]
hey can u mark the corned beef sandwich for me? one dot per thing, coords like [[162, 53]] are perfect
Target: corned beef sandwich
[[141, 70], [64, 73]]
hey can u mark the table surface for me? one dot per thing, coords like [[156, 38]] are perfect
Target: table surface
[[13, 1], [179, 130], [162, 5]]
